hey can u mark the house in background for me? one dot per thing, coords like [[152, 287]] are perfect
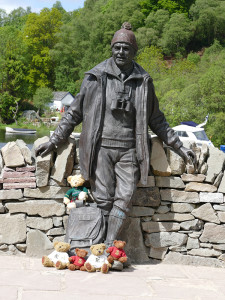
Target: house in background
[[61, 101]]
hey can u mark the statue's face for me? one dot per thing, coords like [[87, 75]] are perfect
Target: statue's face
[[123, 54]]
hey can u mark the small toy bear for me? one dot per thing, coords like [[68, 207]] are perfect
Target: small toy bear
[[58, 258], [77, 192], [77, 261], [117, 252], [97, 261]]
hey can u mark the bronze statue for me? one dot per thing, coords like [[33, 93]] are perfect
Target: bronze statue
[[116, 104]]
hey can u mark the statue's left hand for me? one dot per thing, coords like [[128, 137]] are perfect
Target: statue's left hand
[[188, 156]]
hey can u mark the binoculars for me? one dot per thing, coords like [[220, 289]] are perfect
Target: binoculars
[[121, 104]]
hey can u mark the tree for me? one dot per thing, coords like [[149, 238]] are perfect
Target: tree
[[42, 97], [8, 106]]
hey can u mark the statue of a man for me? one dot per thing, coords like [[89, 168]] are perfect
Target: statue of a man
[[116, 104]]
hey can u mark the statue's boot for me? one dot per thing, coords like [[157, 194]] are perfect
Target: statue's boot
[[115, 224]]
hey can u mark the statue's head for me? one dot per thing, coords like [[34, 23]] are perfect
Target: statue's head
[[124, 46]]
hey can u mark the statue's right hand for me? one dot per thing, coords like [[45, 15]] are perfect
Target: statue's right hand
[[44, 149]]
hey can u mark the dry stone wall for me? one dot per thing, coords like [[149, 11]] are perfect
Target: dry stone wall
[[178, 217]]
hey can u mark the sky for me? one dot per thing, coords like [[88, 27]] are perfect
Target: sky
[[37, 5]]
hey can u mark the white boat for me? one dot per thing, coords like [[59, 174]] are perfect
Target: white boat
[[20, 130]]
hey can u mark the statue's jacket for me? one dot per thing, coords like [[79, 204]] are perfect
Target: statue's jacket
[[89, 106]]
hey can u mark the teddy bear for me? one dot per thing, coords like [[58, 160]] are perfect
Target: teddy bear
[[117, 252], [77, 261], [97, 261], [58, 258], [77, 192]]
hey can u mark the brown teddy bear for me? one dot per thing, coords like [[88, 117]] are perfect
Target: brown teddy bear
[[77, 192], [117, 252], [58, 258], [77, 261], [97, 261]]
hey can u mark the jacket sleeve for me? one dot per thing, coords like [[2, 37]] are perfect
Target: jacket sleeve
[[72, 117], [157, 120]]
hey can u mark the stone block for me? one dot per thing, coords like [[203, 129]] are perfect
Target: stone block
[[158, 159], [221, 188], [205, 245], [203, 169], [57, 221], [211, 197], [141, 211], [26, 169], [219, 207], [179, 196], [200, 187], [1, 163], [147, 197], [169, 182], [151, 227], [172, 217], [10, 194], [165, 239], [19, 179], [213, 233], [14, 174], [193, 177], [46, 192], [21, 247], [219, 247], [56, 231], [176, 163], [195, 234], [64, 162], [12, 228], [132, 234], [205, 252], [38, 244], [218, 180], [203, 155], [42, 208], [25, 151], [12, 155], [2, 208], [178, 249], [192, 225], [215, 163], [19, 185], [221, 216], [150, 182], [158, 253], [163, 209], [39, 223], [192, 243], [182, 207], [206, 213]]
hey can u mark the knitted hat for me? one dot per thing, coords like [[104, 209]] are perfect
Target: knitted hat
[[125, 35]]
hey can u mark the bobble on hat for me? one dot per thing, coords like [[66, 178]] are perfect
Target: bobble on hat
[[125, 35]]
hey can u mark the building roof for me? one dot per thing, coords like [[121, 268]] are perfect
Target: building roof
[[58, 96]]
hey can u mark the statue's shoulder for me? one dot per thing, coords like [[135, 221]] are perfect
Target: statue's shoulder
[[142, 71], [98, 70]]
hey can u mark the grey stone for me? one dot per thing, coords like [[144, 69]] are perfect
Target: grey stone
[[165, 239], [205, 252], [12, 228], [195, 235], [192, 225], [26, 169], [146, 219], [206, 212], [139, 211], [169, 182], [172, 217], [117, 265], [57, 221], [182, 207], [222, 257], [55, 183], [219, 207], [221, 216], [158, 253], [64, 162], [221, 188], [56, 231], [179, 196], [219, 247], [200, 187], [19, 185], [58, 238], [1, 163], [165, 203], [193, 177], [4, 247], [150, 182], [151, 227], [43, 164], [19, 179], [25, 151], [203, 155], [163, 209], [213, 233], [158, 159], [12, 155], [132, 234], [21, 247], [147, 197], [203, 169], [190, 168], [178, 249], [176, 163], [218, 180], [192, 243], [177, 258], [42, 208], [46, 192], [39, 223], [211, 197], [2, 208], [206, 245], [38, 244], [215, 163]]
